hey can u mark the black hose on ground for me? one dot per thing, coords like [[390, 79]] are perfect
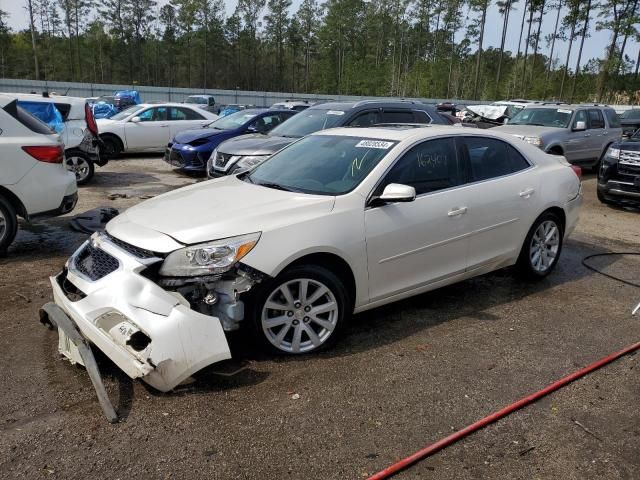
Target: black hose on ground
[[612, 277]]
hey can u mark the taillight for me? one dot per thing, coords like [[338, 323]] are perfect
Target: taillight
[[577, 170], [91, 121], [46, 153]]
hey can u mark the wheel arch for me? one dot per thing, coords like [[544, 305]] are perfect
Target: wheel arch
[[15, 202], [332, 262], [555, 150], [559, 212], [115, 136]]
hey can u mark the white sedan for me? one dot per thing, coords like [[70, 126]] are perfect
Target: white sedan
[[339, 222], [148, 127]]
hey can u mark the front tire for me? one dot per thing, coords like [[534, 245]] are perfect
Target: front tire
[[8, 224], [302, 310], [542, 247], [80, 164]]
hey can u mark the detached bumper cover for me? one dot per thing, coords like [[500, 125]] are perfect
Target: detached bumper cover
[[148, 332]]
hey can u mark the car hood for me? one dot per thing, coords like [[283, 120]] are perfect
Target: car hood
[[628, 145], [527, 130], [214, 209], [102, 122], [255, 144], [196, 134]]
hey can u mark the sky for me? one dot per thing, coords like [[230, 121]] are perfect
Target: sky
[[593, 47]]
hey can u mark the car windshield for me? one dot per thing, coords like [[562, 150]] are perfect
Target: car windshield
[[198, 100], [631, 114], [543, 117], [308, 121], [126, 112], [321, 164], [232, 121]]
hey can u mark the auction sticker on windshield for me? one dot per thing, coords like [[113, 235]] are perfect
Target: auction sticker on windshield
[[562, 110], [374, 144], [335, 112]]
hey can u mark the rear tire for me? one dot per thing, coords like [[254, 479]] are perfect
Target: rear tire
[[80, 164], [8, 224], [294, 328], [111, 147], [541, 248]]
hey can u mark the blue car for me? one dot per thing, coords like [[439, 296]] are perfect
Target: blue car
[[190, 149]]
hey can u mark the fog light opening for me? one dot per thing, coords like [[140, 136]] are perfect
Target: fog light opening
[[138, 341]]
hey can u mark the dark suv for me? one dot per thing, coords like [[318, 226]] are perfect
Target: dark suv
[[619, 174], [247, 151]]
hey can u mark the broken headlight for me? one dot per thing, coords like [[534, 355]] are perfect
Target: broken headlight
[[208, 258]]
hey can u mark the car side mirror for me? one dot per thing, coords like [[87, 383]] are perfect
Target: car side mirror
[[580, 126], [252, 129], [135, 119], [393, 193]]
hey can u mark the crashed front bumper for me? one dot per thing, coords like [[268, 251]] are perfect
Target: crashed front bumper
[[150, 333]]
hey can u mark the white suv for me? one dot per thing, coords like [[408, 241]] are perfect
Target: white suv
[[341, 221], [79, 133], [33, 179]]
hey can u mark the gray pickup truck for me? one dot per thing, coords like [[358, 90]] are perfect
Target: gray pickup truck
[[581, 133]]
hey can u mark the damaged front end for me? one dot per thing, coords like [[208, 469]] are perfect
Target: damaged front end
[[158, 317]]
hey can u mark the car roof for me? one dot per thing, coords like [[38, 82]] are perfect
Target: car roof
[[164, 104], [38, 97], [399, 134], [369, 103], [568, 106]]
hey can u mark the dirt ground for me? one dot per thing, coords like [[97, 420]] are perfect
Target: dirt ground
[[403, 376]]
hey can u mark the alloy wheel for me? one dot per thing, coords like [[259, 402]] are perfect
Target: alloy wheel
[[79, 166], [544, 247], [300, 315]]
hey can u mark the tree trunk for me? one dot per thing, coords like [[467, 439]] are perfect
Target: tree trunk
[[33, 39], [584, 34], [479, 53], [624, 41], [505, 25], [566, 63], [524, 15], [526, 52], [535, 47], [553, 44]]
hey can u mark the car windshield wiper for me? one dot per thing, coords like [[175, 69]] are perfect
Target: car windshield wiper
[[276, 186]]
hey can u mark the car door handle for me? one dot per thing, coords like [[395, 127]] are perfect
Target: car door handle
[[526, 193], [454, 212], [164, 126], [587, 134]]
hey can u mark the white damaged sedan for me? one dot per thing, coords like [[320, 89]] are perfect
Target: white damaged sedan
[[339, 222]]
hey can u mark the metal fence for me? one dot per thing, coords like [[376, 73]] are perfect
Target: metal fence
[[159, 94]]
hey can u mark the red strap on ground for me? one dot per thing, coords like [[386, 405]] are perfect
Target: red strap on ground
[[460, 434]]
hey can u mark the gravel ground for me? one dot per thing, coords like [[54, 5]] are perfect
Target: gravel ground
[[403, 376]]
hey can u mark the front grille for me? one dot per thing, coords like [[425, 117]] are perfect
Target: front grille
[[132, 249], [222, 159], [95, 263]]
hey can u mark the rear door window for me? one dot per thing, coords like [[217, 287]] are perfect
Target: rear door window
[[398, 116], [491, 158], [613, 118], [179, 113], [596, 120], [26, 119]]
